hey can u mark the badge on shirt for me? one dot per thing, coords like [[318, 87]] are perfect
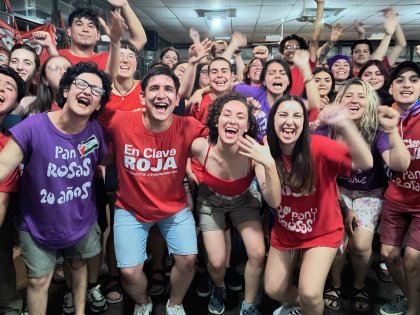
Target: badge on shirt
[[88, 146]]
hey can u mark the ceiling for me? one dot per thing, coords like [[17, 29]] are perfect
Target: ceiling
[[172, 19], [259, 18]]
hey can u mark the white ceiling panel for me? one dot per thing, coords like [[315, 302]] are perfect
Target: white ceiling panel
[[158, 13], [180, 3], [153, 3]]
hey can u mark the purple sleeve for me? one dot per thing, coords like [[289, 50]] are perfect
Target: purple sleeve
[[382, 141], [322, 131], [247, 90]]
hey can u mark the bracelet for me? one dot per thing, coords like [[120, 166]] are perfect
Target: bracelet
[[308, 79]]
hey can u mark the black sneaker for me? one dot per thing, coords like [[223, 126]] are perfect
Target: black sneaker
[[204, 284], [217, 299], [233, 280]]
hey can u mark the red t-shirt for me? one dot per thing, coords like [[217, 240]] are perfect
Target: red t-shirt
[[204, 109], [298, 84], [10, 183], [150, 166], [100, 59], [404, 189], [129, 102], [305, 221]]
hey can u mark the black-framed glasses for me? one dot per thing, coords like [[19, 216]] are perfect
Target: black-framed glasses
[[83, 85], [291, 47]]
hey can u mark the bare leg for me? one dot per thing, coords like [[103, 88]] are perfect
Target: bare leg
[[412, 271], [182, 275], [316, 263], [134, 282], [93, 268], [37, 294], [214, 243], [253, 237], [78, 273], [392, 257]]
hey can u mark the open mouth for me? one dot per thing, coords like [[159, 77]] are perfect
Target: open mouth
[[2, 99], [161, 107], [288, 131], [82, 100], [231, 131], [220, 83], [353, 109], [277, 84], [406, 93], [124, 68]]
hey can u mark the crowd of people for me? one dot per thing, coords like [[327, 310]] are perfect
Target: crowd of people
[[301, 158]]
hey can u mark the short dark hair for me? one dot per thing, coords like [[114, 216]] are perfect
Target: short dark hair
[[20, 84], [166, 49], [302, 42], [362, 41], [126, 44], [286, 68], [222, 59], [28, 48], [159, 70], [73, 72], [216, 108], [85, 12]]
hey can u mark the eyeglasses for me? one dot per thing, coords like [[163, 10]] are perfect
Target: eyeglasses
[[83, 85], [291, 47]]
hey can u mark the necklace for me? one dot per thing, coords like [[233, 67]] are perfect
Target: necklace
[[124, 94]]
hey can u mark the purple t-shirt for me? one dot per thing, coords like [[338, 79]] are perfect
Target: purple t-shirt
[[370, 179], [260, 94], [57, 197]]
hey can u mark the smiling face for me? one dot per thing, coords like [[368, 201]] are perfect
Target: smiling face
[[254, 71], [83, 102], [83, 33], [354, 99], [288, 122], [170, 58], [276, 80], [23, 62], [361, 54], [8, 94], [204, 76], [220, 77], [323, 82], [180, 70], [406, 87], [54, 71], [160, 98], [128, 63], [374, 77], [232, 122], [290, 48], [340, 70]]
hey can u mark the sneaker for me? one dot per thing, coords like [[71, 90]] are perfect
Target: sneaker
[[250, 311], [216, 303], [233, 280], [68, 304], [288, 310], [96, 300], [177, 309], [143, 309], [204, 285], [397, 306], [25, 310]]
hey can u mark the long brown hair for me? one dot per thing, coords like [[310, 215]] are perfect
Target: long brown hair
[[301, 177]]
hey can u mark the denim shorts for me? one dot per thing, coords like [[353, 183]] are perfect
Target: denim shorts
[[40, 261], [130, 236]]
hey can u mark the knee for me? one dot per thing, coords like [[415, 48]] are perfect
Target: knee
[[310, 297], [391, 254], [257, 256], [185, 262], [217, 263], [274, 289], [129, 275], [411, 263], [39, 282], [77, 263]]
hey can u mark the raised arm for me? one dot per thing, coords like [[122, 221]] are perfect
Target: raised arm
[[337, 116], [399, 37], [397, 157], [117, 28], [237, 40], [336, 32], [390, 25], [301, 59], [265, 169], [10, 158], [138, 35], [359, 28], [44, 39], [316, 33]]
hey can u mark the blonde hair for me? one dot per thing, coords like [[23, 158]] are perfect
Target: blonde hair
[[369, 123]]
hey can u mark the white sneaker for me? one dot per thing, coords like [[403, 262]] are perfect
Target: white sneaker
[[288, 310], [143, 309], [96, 300], [175, 310], [68, 304]]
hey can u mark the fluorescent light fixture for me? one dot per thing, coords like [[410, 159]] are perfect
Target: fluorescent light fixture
[[216, 22]]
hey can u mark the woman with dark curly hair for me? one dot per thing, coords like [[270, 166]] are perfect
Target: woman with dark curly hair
[[231, 158]]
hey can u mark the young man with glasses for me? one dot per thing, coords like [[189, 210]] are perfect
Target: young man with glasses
[[60, 151]]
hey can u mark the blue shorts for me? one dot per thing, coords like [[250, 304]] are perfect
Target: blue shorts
[[130, 236]]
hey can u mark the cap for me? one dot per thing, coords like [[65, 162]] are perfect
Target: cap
[[405, 64]]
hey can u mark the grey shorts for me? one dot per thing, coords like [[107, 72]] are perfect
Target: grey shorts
[[213, 208], [40, 261]]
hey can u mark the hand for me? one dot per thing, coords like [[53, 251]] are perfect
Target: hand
[[418, 50], [334, 115], [196, 52], [117, 26], [238, 39], [259, 153], [391, 21], [359, 27], [260, 52], [336, 33], [301, 58], [42, 38], [325, 101], [388, 118], [256, 106], [194, 35], [313, 125], [104, 27], [117, 3], [348, 222], [196, 99]]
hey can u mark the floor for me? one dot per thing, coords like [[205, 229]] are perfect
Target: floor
[[194, 305]]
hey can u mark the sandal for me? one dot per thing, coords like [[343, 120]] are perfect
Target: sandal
[[113, 292], [332, 301], [157, 282], [359, 298]]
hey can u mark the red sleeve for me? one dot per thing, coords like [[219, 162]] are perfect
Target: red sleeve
[[11, 183]]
